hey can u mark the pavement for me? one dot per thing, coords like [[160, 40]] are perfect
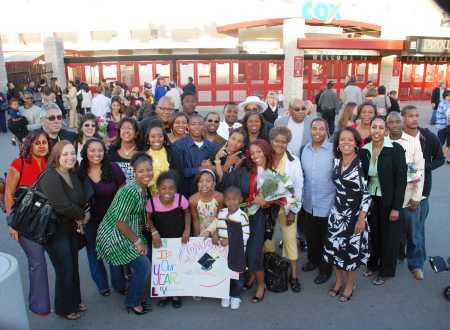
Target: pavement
[[402, 303]]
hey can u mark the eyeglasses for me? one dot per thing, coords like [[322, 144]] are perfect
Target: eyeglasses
[[213, 121], [53, 117], [252, 109], [166, 109], [299, 109], [89, 125], [27, 98]]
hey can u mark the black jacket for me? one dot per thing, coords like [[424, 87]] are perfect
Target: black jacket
[[270, 115], [436, 97], [394, 105], [434, 158], [391, 169]]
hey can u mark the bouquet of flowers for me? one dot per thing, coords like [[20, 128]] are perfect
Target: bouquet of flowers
[[102, 126], [275, 188]]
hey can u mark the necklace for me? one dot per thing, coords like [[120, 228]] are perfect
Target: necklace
[[345, 165], [127, 152]]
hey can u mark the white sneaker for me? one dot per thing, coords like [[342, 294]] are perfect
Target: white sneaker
[[235, 303], [225, 302]]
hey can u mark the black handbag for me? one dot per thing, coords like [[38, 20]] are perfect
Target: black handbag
[[276, 270], [31, 214]]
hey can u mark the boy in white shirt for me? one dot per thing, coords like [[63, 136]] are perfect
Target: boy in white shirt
[[232, 229]]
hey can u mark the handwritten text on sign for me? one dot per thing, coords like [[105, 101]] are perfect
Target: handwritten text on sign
[[197, 268]]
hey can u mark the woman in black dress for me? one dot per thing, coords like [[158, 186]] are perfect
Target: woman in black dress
[[347, 242]]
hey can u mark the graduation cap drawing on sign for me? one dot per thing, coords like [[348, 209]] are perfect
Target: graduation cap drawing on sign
[[206, 261]]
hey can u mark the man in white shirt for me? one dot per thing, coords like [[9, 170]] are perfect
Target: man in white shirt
[[299, 123], [230, 122], [175, 94], [31, 112], [101, 105]]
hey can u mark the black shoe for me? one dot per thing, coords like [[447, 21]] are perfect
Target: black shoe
[[163, 302], [308, 267], [322, 278], [131, 309], [295, 285], [303, 244], [177, 303]]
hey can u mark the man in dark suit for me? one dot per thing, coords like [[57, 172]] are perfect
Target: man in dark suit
[[436, 97]]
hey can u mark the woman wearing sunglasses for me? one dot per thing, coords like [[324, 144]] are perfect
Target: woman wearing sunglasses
[[87, 129]]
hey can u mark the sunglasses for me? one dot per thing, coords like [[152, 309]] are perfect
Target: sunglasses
[[213, 121], [166, 109], [298, 109], [53, 117], [252, 109]]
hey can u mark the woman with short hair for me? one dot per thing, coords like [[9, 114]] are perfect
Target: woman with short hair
[[287, 164]]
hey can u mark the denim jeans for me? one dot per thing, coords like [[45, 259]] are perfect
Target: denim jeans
[[236, 286], [141, 271], [39, 297], [415, 229], [97, 267]]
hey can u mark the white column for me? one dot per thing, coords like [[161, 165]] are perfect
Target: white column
[[54, 54], [293, 29], [3, 74], [386, 78]]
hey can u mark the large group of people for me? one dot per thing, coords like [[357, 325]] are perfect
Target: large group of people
[[139, 170]]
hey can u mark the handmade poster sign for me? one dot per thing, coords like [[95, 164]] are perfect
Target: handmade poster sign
[[198, 268]]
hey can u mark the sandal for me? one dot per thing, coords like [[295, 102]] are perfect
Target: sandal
[[257, 299], [378, 281], [106, 293], [368, 273], [344, 298], [334, 292], [82, 308], [72, 316]]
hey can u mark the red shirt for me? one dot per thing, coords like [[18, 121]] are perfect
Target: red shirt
[[30, 171]]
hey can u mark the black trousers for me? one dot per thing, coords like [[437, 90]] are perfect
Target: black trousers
[[316, 230], [236, 286], [330, 116], [384, 239], [63, 253]]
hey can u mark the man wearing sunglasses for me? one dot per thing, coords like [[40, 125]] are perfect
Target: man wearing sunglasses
[[52, 122], [299, 123], [162, 117], [212, 123], [31, 112]]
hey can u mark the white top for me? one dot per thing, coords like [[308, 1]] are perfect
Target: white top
[[221, 225], [100, 105], [175, 95], [33, 115], [297, 135], [224, 131], [416, 167], [353, 93], [87, 98]]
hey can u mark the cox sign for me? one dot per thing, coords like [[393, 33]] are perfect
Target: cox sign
[[323, 11]]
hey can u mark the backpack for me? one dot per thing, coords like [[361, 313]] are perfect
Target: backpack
[[276, 271]]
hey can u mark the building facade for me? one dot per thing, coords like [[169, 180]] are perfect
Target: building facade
[[241, 48]]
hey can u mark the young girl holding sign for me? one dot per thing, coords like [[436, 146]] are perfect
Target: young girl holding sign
[[205, 204], [169, 217]]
